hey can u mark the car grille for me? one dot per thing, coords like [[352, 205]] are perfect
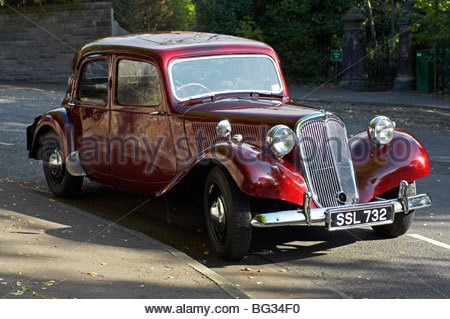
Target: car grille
[[326, 159]]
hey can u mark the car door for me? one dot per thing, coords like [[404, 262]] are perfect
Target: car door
[[92, 107], [140, 141]]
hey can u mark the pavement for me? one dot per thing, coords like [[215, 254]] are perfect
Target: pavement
[[384, 98], [52, 250]]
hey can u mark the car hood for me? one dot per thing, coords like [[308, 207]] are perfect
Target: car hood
[[249, 111]]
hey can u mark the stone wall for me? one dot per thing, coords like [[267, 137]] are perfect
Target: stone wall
[[38, 44]]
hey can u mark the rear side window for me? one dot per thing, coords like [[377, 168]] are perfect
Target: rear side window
[[137, 84], [94, 82]]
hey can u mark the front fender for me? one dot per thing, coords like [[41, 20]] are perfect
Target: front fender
[[256, 173], [58, 120], [379, 169]]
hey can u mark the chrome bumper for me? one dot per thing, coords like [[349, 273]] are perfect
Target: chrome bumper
[[308, 216]]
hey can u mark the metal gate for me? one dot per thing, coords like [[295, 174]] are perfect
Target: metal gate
[[380, 70]]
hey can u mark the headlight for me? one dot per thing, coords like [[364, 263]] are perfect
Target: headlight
[[381, 130], [280, 140]]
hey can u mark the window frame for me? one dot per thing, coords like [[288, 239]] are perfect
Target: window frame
[[229, 56], [83, 64], [117, 59]]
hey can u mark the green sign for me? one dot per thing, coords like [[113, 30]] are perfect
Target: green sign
[[336, 55]]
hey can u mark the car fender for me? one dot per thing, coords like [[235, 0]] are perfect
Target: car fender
[[382, 168], [58, 120], [256, 173]]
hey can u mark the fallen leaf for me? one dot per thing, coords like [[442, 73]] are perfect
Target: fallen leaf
[[246, 269], [258, 282], [39, 239], [17, 293], [48, 283], [91, 273], [206, 252], [103, 264]]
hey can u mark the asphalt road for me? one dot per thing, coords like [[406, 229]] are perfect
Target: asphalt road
[[295, 262]]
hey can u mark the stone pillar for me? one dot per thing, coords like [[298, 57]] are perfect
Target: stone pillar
[[354, 45], [405, 79]]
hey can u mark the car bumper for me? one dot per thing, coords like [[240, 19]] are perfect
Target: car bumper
[[307, 216]]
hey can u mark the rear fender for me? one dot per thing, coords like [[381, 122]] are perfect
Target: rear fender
[[379, 169], [60, 122]]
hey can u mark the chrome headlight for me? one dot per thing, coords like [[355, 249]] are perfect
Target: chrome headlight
[[223, 128], [381, 130], [280, 140]]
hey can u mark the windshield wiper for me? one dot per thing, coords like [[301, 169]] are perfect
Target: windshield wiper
[[200, 99], [261, 95]]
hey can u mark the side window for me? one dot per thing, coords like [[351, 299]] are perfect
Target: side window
[[93, 87], [137, 84]]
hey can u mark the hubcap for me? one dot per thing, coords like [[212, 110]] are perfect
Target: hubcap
[[217, 214], [55, 162]]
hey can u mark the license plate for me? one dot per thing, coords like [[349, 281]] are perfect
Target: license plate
[[341, 218]]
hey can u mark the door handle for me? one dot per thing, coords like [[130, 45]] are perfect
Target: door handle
[[160, 112]]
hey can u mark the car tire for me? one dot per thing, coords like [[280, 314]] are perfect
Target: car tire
[[401, 222], [227, 216], [59, 181]]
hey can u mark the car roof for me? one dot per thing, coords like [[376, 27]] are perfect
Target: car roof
[[165, 45]]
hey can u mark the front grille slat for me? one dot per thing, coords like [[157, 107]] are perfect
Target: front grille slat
[[328, 168]]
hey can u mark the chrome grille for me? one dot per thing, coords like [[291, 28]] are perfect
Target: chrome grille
[[326, 159]]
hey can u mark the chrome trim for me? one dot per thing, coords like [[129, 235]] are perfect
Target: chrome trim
[[403, 196], [271, 133], [223, 128], [372, 126], [73, 164], [298, 217], [173, 62], [307, 207], [237, 138], [344, 173]]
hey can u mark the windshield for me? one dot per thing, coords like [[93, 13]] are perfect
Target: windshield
[[205, 76]]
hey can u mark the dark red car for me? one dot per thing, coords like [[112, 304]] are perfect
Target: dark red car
[[147, 112]]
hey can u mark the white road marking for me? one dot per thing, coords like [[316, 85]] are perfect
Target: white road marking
[[7, 144], [429, 240]]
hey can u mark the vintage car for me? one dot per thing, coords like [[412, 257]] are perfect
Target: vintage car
[[150, 112]]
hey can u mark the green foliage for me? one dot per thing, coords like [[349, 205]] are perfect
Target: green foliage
[[222, 16], [32, 3], [300, 31], [433, 22], [135, 15], [159, 15]]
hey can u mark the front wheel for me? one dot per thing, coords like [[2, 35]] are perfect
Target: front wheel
[[227, 216], [401, 222], [60, 182]]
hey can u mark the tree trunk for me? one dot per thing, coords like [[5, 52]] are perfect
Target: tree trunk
[[371, 23]]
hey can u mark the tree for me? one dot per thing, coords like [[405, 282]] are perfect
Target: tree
[[158, 15]]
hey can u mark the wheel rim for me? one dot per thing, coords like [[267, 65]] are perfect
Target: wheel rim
[[56, 165], [217, 215]]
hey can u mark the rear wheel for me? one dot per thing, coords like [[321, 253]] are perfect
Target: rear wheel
[[227, 216], [60, 182], [401, 222]]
